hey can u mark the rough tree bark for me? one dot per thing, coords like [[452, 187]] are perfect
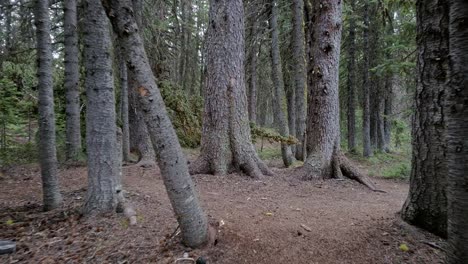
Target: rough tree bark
[[253, 63], [278, 84], [366, 141], [171, 160], [426, 203], [101, 129], [351, 81], [140, 141], [325, 159], [124, 109], [47, 150], [72, 78], [226, 140], [457, 134], [299, 74]]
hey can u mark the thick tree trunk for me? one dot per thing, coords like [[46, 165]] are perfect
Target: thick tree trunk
[[323, 126], [351, 82], [101, 129], [171, 160], [226, 140], [366, 136], [426, 203], [278, 83], [299, 75], [124, 109], [72, 78], [47, 150], [457, 134]]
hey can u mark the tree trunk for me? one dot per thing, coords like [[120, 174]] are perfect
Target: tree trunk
[[323, 126], [140, 141], [388, 106], [252, 65], [426, 203], [101, 129], [47, 150], [299, 74], [351, 82], [124, 109], [72, 79], [171, 160], [226, 140], [366, 137], [457, 134], [278, 83]]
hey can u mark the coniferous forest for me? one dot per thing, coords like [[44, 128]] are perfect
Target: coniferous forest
[[234, 131]]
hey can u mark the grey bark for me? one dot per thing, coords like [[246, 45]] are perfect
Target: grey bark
[[47, 149], [124, 109], [72, 78], [366, 141], [323, 127], [426, 203], [171, 160], [457, 134], [278, 83], [252, 65], [299, 74], [226, 139], [101, 130], [351, 81], [140, 141]]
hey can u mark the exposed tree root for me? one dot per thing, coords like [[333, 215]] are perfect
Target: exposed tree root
[[350, 171], [124, 207], [252, 166]]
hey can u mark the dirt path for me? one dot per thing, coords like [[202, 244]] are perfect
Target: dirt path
[[276, 220]]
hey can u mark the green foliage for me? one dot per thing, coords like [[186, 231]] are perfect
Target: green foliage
[[398, 171], [270, 135], [185, 112]]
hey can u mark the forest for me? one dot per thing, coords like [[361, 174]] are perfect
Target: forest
[[234, 131]]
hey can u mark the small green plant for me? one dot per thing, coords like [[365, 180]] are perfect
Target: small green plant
[[398, 171]]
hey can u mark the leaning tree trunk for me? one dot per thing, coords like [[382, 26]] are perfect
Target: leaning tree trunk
[[72, 79], [299, 74], [171, 160], [457, 134], [101, 129], [366, 138], [47, 151], [278, 83], [325, 159], [426, 203], [351, 82], [226, 139]]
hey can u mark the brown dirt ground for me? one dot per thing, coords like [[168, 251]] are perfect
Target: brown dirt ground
[[276, 220]]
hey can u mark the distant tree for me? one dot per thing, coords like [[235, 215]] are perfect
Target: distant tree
[[72, 78], [299, 69], [457, 134], [101, 129], [47, 145], [226, 139], [171, 160], [426, 205], [366, 137], [351, 81], [278, 83]]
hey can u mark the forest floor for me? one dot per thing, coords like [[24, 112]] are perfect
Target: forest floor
[[276, 219]]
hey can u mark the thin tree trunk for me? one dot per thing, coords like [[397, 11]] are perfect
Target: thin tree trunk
[[252, 65], [47, 146], [351, 81], [226, 140], [72, 78], [101, 129], [299, 75], [124, 109], [426, 203], [278, 83], [172, 162], [366, 137], [457, 134]]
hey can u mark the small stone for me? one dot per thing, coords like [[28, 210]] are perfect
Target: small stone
[[7, 247]]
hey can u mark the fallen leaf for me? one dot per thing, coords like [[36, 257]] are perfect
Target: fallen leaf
[[404, 247], [308, 229]]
